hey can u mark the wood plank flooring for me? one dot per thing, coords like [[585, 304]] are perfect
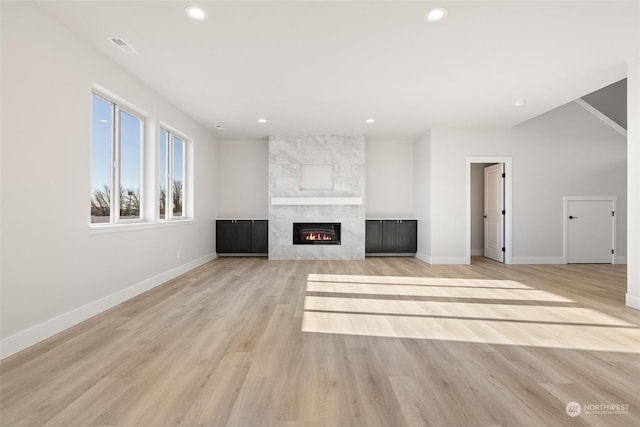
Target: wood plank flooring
[[379, 342]]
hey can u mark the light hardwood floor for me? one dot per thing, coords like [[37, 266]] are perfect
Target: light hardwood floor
[[379, 342]]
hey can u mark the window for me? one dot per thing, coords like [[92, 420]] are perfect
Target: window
[[172, 176], [116, 162]]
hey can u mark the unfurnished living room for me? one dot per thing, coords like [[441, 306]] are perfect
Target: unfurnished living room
[[319, 213]]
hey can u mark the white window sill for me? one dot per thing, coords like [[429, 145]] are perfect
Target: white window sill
[[117, 228]]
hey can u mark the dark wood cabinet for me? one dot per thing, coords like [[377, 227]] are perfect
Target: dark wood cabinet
[[241, 236], [260, 236], [225, 236], [391, 236], [373, 237], [407, 236]]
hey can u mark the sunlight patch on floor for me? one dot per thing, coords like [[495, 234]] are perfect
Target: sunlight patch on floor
[[510, 312], [442, 291], [327, 309], [424, 281]]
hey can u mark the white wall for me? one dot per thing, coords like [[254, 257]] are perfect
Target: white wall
[[244, 177], [449, 150], [54, 272], [633, 179], [422, 193], [243, 172], [564, 152], [390, 179]]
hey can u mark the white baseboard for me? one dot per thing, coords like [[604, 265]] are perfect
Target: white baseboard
[[552, 260], [33, 335], [423, 257], [514, 260], [633, 301], [445, 260], [449, 260], [538, 260]]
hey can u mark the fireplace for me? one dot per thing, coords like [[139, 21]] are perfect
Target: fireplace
[[316, 233]]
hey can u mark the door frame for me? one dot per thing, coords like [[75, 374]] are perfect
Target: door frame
[[565, 211], [508, 201]]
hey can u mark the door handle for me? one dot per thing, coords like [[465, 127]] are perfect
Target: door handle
[[573, 217]]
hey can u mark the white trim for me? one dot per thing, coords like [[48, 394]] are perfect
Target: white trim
[[538, 260], [167, 127], [450, 260], [597, 113], [116, 99], [508, 201], [632, 301], [565, 224], [356, 201], [119, 106], [33, 335], [423, 257], [168, 167], [116, 228]]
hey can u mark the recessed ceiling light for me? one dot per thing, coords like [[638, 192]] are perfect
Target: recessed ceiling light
[[262, 120], [435, 15], [371, 120], [196, 12], [219, 127], [520, 102]]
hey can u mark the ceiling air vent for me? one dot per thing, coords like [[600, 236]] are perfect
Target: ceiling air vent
[[122, 45]]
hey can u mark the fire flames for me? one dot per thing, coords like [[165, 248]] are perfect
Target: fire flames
[[317, 236]]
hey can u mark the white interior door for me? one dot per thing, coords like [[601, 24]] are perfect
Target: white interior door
[[590, 226], [494, 212]]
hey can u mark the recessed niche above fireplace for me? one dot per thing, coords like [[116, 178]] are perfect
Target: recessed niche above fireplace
[[316, 233], [316, 177]]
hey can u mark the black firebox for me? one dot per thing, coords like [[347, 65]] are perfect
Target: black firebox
[[316, 233]]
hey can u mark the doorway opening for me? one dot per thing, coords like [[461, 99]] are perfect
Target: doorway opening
[[489, 215]]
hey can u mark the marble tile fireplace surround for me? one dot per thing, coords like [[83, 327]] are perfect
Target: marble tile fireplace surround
[[317, 179]]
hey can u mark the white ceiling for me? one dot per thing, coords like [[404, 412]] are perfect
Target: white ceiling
[[316, 67]]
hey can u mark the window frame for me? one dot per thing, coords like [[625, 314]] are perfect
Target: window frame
[[115, 175], [169, 175]]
